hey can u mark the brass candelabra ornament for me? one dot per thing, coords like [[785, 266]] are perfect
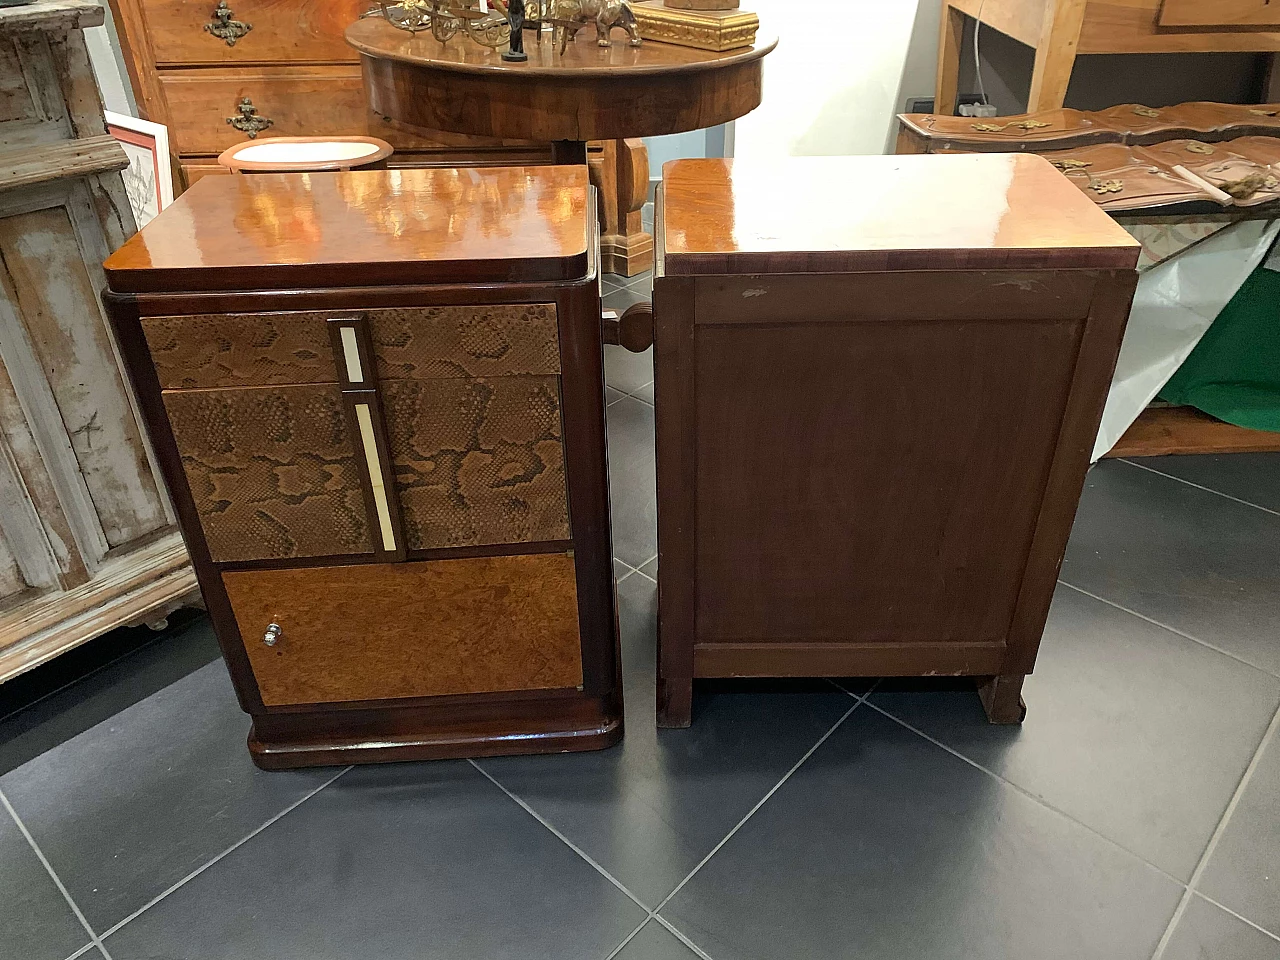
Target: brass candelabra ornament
[[485, 23], [489, 22]]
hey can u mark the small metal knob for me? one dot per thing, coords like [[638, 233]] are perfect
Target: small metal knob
[[272, 635]]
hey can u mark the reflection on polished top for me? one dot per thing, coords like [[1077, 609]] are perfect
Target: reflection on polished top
[[829, 214], [504, 224], [377, 38]]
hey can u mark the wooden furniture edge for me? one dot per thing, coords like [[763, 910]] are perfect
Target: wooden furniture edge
[[1165, 431], [158, 578]]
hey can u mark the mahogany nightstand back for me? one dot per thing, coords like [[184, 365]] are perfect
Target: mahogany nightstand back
[[878, 380], [378, 402]]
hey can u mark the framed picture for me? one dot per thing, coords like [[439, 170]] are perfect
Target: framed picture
[[147, 180]]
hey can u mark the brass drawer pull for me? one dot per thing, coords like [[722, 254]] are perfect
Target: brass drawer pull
[[225, 26], [248, 122], [272, 635]]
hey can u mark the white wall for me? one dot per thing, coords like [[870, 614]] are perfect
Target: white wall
[[108, 66], [840, 74]]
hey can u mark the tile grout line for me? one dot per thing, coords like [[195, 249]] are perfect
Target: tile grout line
[[633, 396], [629, 937], [1026, 793], [1221, 828], [565, 840], [630, 569], [1239, 916], [231, 849], [1164, 626], [83, 950], [1189, 483], [681, 936], [57, 881], [760, 803]]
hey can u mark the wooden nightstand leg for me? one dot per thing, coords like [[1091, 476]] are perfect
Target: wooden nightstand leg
[[675, 701], [950, 38], [1056, 54], [1002, 698]]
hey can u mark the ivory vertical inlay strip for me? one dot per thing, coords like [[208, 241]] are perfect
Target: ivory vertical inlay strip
[[351, 353], [365, 419]]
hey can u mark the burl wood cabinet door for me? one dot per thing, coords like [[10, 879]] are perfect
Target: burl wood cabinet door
[[437, 628]]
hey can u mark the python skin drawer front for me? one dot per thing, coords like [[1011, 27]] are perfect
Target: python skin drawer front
[[272, 471], [384, 631], [477, 461], [255, 349]]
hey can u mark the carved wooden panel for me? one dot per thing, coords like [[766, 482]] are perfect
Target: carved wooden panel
[[272, 470], [233, 350], [381, 631], [513, 339], [477, 461]]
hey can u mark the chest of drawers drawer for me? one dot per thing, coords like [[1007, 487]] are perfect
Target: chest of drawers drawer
[[188, 32], [206, 115]]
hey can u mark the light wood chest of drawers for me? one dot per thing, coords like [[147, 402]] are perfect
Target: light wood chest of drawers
[[378, 400], [292, 66]]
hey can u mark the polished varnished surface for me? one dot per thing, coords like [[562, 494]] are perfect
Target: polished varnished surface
[[376, 631], [385, 226], [583, 57], [827, 214], [591, 93]]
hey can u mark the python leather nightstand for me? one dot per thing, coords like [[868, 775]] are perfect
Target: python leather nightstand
[[378, 401]]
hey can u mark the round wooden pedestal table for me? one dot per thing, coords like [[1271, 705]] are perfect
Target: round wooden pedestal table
[[590, 93]]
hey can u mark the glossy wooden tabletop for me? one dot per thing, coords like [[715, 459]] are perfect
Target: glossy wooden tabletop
[[583, 57], [828, 214], [501, 224]]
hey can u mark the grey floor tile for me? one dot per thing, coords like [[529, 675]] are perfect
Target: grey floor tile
[[645, 393], [633, 494], [620, 569], [1135, 731], [656, 942], [610, 395], [137, 802], [627, 371], [1253, 477], [36, 922], [612, 281], [81, 701], [650, 569], [642, 282], [1205, 932], [397, 861], [623, 297], [883, 845], [1243, 873], [1190, 559], [653, 807]]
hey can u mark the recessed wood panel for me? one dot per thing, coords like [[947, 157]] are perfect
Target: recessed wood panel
[[477, 461], [872, 482], [46, 277], [384, 631], [272, 471]]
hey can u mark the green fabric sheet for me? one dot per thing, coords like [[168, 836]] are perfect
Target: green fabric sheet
[[1234, 371]]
